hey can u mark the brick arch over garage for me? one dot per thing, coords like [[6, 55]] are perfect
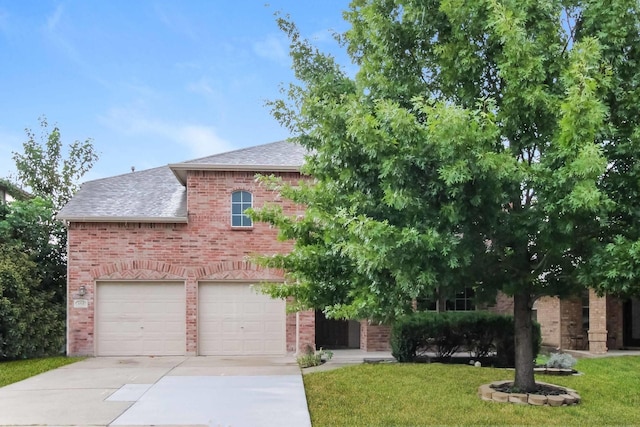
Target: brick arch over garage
[[140, 270], [238, 270]]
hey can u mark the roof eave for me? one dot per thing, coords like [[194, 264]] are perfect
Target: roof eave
[[180, 169], [124, 219]]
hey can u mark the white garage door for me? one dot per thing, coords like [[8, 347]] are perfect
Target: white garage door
[[140, 319], [235, 319]]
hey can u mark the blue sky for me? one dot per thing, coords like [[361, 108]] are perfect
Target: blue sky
[[151, 82]]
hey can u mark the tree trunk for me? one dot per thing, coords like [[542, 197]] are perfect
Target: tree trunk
[[523, 342]]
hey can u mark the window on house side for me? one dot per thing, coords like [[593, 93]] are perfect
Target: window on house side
[[463, 301], [240, 202]]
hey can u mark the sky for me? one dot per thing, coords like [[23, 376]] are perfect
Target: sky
[[150, 82]]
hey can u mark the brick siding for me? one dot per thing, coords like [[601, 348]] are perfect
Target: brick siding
[[206, 248], [374, 337]]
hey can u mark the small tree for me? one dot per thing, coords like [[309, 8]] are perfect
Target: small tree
[[51, 173], [45, 170], [470, 149]]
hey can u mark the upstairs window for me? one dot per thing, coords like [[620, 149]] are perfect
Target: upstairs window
[[240, 202]]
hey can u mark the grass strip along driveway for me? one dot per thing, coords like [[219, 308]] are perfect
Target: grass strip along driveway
[[437, 394], [18, 370]]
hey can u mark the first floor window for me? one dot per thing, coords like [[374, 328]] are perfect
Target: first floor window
[[240, 202], [463, 301]]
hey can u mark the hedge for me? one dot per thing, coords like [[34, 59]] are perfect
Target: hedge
[[482, 334]]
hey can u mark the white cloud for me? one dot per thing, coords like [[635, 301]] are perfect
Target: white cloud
[[4, 21], [176, 22], [201, 87], [56, 30], [273, 48], [54, 19], [201, 140]]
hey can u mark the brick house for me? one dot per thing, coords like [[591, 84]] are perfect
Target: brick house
[[589, 322], [158, 265]]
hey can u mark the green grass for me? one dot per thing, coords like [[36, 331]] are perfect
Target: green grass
[[435, 394], [18, 370]]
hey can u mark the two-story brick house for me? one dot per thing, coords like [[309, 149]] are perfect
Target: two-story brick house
[[158, 261], [159, 265]]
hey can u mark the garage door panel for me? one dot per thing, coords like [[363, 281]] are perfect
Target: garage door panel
[[233, 319], [140, 318]]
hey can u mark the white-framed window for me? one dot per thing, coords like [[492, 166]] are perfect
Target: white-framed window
[[240, 202], [463, 301]]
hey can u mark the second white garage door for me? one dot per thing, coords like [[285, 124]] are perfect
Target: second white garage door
[[235, 319]]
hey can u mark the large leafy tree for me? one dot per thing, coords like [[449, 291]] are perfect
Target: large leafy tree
[[483, 143]]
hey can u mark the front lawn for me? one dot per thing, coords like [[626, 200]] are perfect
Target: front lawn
[[428, 394], [18, 370]]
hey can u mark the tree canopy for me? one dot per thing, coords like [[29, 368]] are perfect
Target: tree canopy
[[33, 243], [486, 144], [49, 170]]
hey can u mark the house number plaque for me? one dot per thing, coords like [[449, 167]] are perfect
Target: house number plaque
[[80, 303]]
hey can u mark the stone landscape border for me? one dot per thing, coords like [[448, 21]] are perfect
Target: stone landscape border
[[488, 393]]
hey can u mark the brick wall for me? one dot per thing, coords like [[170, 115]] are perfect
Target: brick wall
[[306, 330], [374, 337], [503, 305], [548, 315], [597, 323], [207, 248], [614, 323], [572, 336]]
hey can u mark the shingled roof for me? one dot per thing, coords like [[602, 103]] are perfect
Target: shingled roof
[[159, 194], [281, 156]]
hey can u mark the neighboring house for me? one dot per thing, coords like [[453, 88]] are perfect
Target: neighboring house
[[590, 322], [159, 265], [10, 192]]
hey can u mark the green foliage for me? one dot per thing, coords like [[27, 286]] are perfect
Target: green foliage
[[34, 267], [479, 333], [48, 169], [483, 143], [561, 360], [31, 325], [29, 226], [314, 358]]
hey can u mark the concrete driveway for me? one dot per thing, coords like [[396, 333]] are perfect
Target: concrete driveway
[[161, 391]]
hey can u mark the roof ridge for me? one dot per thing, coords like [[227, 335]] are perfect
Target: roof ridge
[[237, 150]]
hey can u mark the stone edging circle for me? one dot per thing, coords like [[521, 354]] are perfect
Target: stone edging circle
[[570, 397]]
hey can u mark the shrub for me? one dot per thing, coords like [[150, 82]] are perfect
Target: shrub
[[561, 361], [30, 324], [313, 358], [479, 333]]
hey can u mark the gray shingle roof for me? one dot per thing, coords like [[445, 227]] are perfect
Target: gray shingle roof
[[281, 156], [159, 194], [138, 196], [280, 153]]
